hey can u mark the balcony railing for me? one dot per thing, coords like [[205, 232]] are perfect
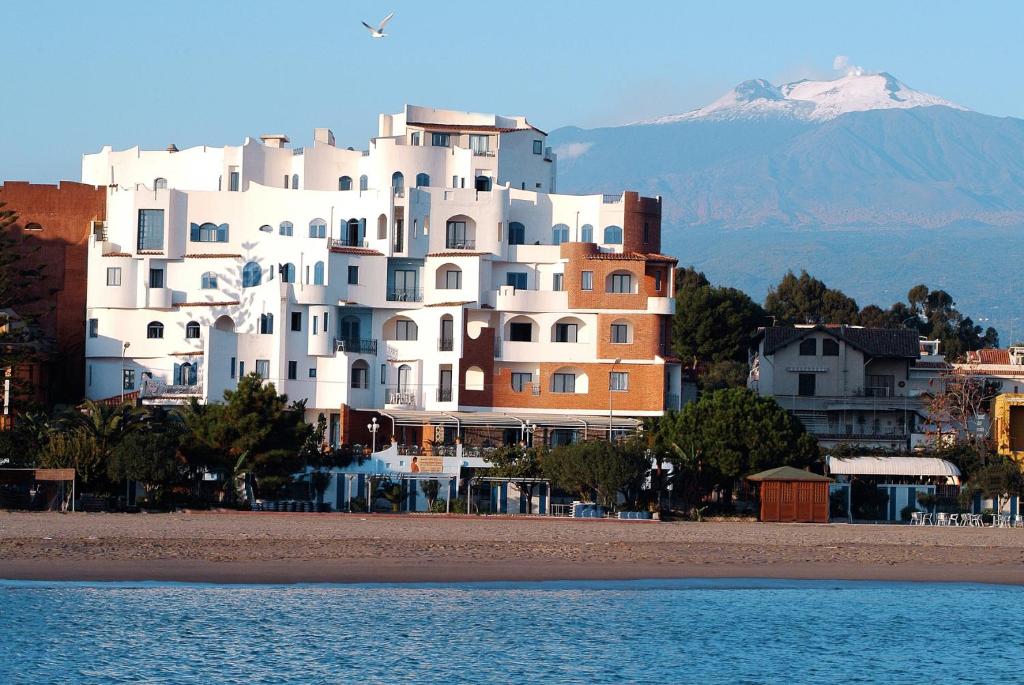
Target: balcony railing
[[460, 244], [346, 242], [153, 388], [398, 192], [444, 394], [483, 153], [445, 344], [404, 396], [532, 388], [860, 437], [405, 295], [355, 345], [611, 199]]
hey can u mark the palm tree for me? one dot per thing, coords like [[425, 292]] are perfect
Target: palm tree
[[105, 424]]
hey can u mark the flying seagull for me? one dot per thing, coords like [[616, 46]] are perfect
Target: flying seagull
[[379, 31]]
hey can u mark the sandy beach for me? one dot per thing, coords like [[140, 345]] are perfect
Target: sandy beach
[[291, 548]]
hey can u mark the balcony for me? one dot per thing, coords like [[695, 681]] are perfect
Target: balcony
[[611, 199], [460, 244], [154, 388], [346, 242], [405, 295], [508, 298], [355, 346], [483, 153], [445, 344], [444, 394], [402, 396]]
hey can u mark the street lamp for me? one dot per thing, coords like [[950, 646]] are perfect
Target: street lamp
[[528, 431], [373, 428], [124, 348], [611, 375]]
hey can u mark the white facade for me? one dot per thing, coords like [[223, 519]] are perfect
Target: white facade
[[328, 271]]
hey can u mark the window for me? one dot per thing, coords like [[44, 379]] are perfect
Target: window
[[360, 375], [317, 228], [657, 281], [364, 182], [516, 279], [538, 147], [383, 374], [128, 379], [398, 183], [285, 183], [186, 374], [316, 325], [266, 324], [345, 183], [414, 138], [234, 180], [479, 144], [287, 272], [293, 370], [312, 373], [241, 369], [287, 228], [160, 184], [440, 139], [452, 279], [156, 278], [482, 184], [808, 347], [521, 381], [563, 382], [208, 233], [232, 371], [457, 236], [209, 281], [94, 328], [353, 275], [559, 234], [613, 235], [586, 233], [406, 330], [296, 321], [829, 348], [251, 275], [154, 330], [566, 333], [647, 232], [422, 180], [586, 280], [880, 386], [516, 233], [192, 330], [620, 283], [520, 332], [263, 368], [558, 282], [806, 385], [295, 181], [620, 333], [113, 275], [618, 381], [151, 229]]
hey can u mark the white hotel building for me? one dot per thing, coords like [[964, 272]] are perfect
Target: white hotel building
[[435, 281]]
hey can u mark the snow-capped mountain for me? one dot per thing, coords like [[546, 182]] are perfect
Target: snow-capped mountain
[[812, 100]]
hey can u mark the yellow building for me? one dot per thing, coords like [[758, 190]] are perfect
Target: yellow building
[[1008, 425]]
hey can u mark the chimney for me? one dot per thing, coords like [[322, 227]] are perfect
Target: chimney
[[274, 139], [323, 135]]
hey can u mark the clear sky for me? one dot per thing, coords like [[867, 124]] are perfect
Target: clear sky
[[80, 75]]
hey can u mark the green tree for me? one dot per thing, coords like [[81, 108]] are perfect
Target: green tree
[[733, 433], [599, 469], [713, 324], [805, 299], [520, 465], [150, 457], [431, 488]]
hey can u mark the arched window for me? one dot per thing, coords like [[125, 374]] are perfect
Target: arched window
[[482, 183], [287, 228], [559, 234], [155, 329], [404, 378], [345, 183], [516, 233], [267, 228], [567, 330], [160, 184], [422, 180], [266, 324], [208, 233], [398, 183], [621, 332], [586, 233], [224, 323], [474, 378], [288, 272], [619, 282], [520, 329], [251, 275], [209, 281], [612, 235], [295, 181], [364, 182], [192, 330], [317, 228], [318, 273], [382, 227], [448, 277], [360, 374], [186, 374]]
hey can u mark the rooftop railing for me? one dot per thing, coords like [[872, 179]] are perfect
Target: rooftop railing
[[355, 345]]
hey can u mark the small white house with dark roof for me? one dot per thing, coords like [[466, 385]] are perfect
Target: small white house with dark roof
[[847, 384]]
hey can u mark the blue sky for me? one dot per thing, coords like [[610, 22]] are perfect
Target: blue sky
[[82, 75]]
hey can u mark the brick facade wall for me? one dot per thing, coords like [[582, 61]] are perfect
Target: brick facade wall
[[638, 211]]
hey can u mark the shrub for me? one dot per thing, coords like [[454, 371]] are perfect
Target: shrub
[[458, 506], [439, 506], [358, 504], [905, 512]]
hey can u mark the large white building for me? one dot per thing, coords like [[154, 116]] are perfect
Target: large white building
[[434, 280]]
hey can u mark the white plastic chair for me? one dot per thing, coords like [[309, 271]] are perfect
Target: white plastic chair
[[915, 518], [927, 520], [954, 520]]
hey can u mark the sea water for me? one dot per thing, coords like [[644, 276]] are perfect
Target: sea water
[[697, 631]]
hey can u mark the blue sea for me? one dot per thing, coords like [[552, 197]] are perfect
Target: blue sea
[[692, 631]]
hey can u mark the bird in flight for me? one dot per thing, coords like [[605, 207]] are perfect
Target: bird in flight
[[379, 31]]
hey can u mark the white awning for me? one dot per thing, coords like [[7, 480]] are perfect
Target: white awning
[[891, 466]]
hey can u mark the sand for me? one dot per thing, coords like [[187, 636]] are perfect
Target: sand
[[293, 548]]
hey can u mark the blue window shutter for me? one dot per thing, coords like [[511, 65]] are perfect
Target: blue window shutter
[[362, 230], [177, 374], [194, 237], [193, 374], [222, 233]]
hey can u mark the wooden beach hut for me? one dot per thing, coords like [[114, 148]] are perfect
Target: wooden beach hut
[[789, 495]]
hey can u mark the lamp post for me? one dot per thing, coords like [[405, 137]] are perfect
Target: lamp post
[[611, 389], [528, 430], [124, 348], [373, 427]]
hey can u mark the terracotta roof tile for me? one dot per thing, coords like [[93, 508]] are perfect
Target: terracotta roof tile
[[631, 256], [457, 253], [989, 357], [357, 250], [213, 255], [117, 254], [228, 303], [449, 304]]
